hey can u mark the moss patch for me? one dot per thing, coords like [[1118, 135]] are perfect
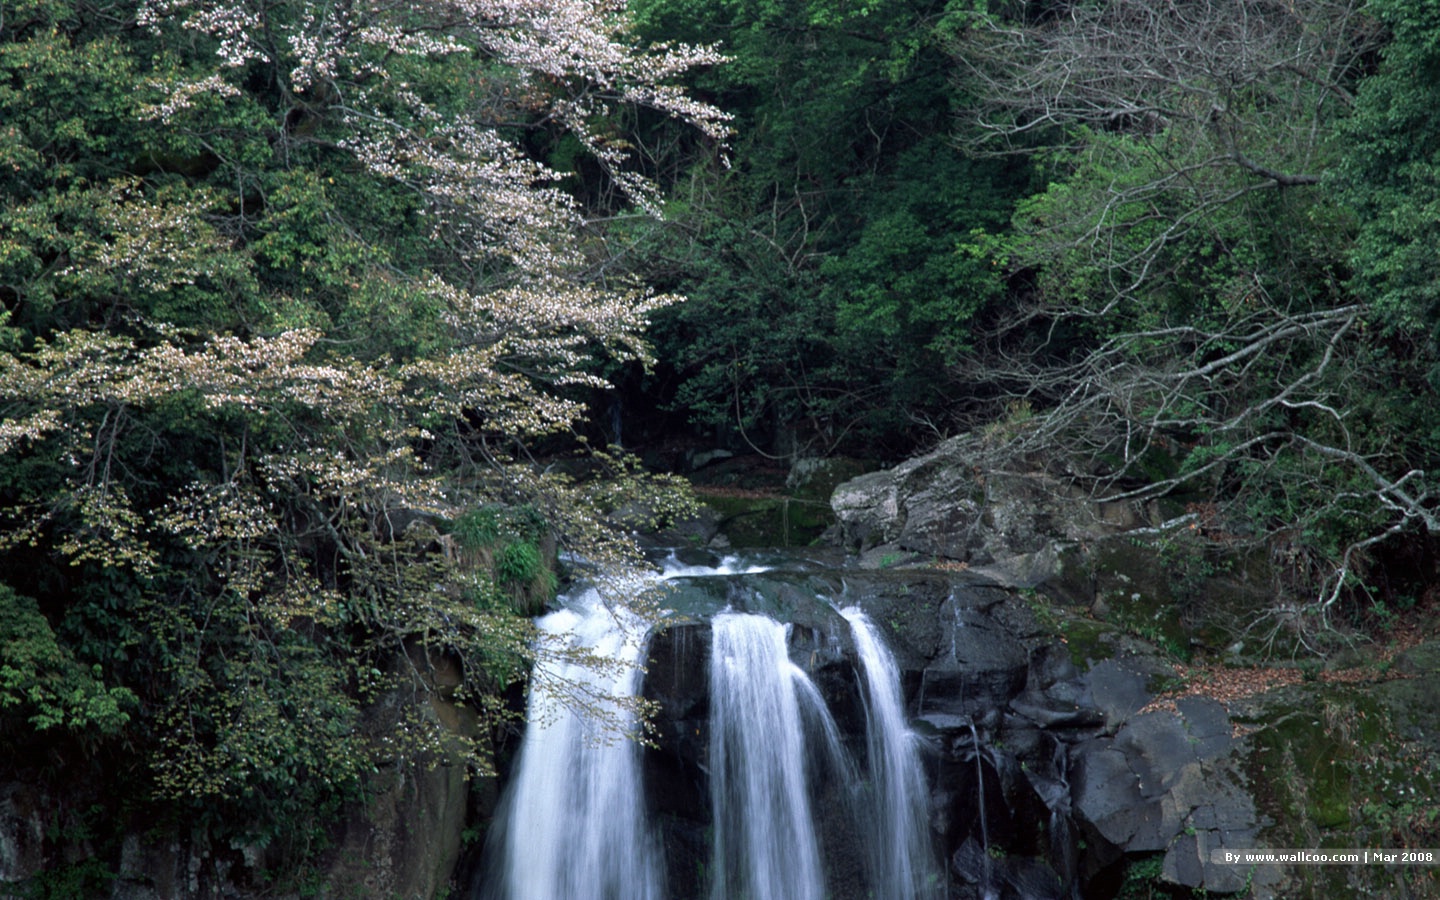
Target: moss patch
[[1332, 766], [764, 520], [1178, 592], [1088, 640]]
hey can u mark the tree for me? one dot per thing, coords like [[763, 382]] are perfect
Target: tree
[[1188, 331], [287, 292], [826, 273], [1386, 176], [1188, 107]]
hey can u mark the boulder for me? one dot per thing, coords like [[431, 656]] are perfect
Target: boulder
[[929, 504], [1166, 782], [947, 504]]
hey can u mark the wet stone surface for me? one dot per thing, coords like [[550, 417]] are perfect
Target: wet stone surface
[[1028, 757]]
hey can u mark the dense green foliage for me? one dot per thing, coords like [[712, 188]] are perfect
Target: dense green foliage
[[1178, 250], [829, 272], [40, 678], [1194, 332], [292, 294], [1388, 178], [285, 301]]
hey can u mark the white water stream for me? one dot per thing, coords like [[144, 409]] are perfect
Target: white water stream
[[764, 836], [901, 857], [575, 827]]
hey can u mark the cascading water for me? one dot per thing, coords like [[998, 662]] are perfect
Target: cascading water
[[764, 846], [730, 565], [576, 828], [986, 878], [901, 855]]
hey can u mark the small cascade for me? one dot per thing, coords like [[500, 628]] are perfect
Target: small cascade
[[1063, 840], [672, 567], [902, 860], [765, 847], [987, 878], [575, 826]]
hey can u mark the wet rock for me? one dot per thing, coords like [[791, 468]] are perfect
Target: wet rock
[[999, 877], [1118, 689], [677, 681], [699, 530], [1054, 713], [972, 687], [23, 817], [906, 606], [1050, 664]]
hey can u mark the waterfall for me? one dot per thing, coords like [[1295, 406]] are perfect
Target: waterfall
[[575, 828], [764, 836], [901, 855], [765, 847], [788, 808], [987, 879]]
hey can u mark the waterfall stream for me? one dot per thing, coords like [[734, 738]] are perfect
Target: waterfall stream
[[575, 826], [765, 843], [901, 855]]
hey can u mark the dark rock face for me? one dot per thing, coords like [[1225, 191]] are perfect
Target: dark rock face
[[1044, 779], [24, 814], [677, 681], [980, 666], [1053, 775]]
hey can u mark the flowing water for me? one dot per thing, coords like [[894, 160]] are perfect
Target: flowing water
[[899, 845], [765, 846], [575, 826]]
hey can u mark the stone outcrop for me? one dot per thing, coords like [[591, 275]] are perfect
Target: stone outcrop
[[944, 505], [1046, 779], [24, 814], [1168, 785]]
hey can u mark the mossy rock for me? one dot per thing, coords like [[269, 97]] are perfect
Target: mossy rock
[[1338, 766], [769, 521], [1180, 595], [1088, 640], [1133, 592]]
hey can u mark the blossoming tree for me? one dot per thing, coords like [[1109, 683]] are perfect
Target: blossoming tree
[[288, 289]]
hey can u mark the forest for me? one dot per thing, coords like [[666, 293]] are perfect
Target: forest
[[325, 328]]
